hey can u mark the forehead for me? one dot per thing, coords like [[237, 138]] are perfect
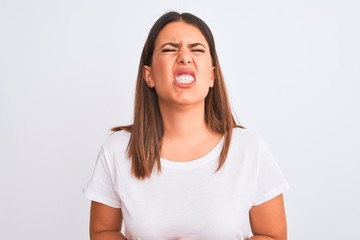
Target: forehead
[[180, 32]]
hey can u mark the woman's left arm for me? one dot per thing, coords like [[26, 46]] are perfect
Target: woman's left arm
[[268, 220]]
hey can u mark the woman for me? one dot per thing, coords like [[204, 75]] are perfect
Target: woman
[[184, 169]]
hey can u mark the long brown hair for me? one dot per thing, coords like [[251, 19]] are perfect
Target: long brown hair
[[147, 129]]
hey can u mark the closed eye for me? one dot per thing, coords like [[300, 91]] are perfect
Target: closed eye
[[168, 50], [198, 50]]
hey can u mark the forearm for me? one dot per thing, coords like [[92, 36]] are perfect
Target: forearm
[[108, 235]]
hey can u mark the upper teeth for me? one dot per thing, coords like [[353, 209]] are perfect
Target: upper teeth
[[184, 78]]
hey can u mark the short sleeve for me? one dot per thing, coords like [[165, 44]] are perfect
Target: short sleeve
[[100, 187], [270, 180]]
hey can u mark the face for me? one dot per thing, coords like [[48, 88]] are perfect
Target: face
[[181, 71]]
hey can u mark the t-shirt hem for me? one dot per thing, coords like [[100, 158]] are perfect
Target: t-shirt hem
[[273, 193], [99, 198]]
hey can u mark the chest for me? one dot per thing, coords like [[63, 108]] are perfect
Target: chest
[[188, 204]]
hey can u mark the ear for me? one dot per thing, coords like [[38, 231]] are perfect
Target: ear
[[212, 77], [147, 76]]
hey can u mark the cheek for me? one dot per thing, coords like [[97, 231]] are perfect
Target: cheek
[[207, 71], [161, 69], [205, 64]]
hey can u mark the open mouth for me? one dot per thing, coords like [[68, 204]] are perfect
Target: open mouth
[[184, 79]]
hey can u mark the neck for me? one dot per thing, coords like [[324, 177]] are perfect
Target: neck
[[184, 122], [186, 134]]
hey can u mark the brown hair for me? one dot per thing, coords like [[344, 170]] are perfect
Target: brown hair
[[147, 129]]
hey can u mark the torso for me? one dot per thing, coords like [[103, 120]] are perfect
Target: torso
[[191, 200]]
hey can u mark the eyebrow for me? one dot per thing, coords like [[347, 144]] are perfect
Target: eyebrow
[[190, 45]]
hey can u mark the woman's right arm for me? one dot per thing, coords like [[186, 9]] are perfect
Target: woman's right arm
[[105, 222]]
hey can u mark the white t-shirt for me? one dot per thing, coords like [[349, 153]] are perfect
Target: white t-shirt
[[188, 200]]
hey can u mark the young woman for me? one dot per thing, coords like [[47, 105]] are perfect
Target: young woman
[[184, 169]]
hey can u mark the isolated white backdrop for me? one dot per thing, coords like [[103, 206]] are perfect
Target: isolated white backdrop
[[67, 75]]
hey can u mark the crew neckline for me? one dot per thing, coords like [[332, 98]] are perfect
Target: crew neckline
[[213, 154]]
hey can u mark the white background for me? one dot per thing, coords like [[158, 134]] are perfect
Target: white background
[[67, 75]]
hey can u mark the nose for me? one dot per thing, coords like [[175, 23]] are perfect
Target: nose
[[184, 58]]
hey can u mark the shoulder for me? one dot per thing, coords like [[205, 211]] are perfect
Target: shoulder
[[245, 137], [244, 145], [117, 142], [251, 145]]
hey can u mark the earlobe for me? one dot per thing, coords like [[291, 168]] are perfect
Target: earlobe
[[148, 77]]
